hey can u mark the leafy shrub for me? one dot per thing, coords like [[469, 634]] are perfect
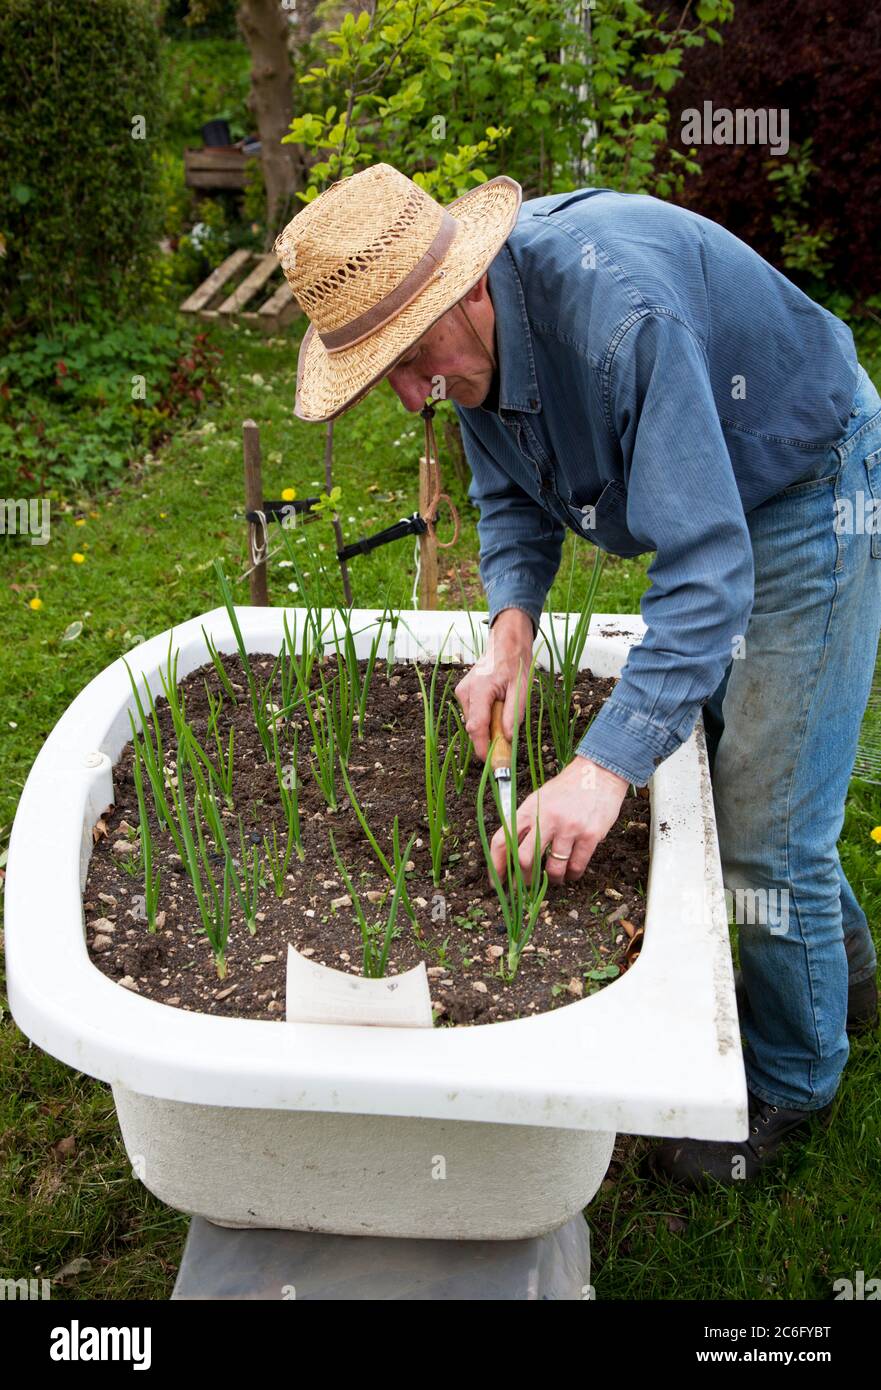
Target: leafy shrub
[[453, 94], [77, 403], [78, 205], [801, 247]]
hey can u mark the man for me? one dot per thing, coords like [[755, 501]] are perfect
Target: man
[[633, 372]]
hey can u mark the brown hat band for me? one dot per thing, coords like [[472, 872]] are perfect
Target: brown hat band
[[398, 298]]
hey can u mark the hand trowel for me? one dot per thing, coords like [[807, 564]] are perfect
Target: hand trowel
[[500, 761]]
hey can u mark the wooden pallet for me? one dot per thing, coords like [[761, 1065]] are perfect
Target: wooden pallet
[[235, 289], [216, 167]]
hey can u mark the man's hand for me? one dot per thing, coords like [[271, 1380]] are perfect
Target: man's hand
[[495, 677], [575, 810]]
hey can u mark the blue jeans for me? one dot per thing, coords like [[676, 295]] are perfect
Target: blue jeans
[[782, 731]]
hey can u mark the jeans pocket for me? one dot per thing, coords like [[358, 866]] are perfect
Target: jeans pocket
[[873, 510]]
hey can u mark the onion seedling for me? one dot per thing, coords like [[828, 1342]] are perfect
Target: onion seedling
[[347, 688], [374, 955], [278, 863], [174, 695], [396, 848], [336, 701], [291, 664], [225, 768], [344, 698], [323, 741], [477, 646], [185, 733], [464, 746], [151, 883], [219, 667], [215, 708], [206, 801], [183, 730], [289, 792], [561, 716], [213, 909], [534, 753], [252, 875], [520, 903], [291, 661], [390, 647], [203, 791], [154, 758], [436, 773], [247, 890], [265, 690], [360, 684], [223, 773]]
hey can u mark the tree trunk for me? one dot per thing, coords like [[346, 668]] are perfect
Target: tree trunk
[[266, 28]]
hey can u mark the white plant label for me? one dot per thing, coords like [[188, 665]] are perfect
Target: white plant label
[[318, 994]]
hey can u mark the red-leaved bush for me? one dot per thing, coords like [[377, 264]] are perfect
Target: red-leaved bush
[[820, 60]]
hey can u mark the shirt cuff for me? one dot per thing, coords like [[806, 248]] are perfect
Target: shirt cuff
[[626, 742], [530, 600]]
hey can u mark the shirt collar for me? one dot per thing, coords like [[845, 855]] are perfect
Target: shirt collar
[[518, 388]]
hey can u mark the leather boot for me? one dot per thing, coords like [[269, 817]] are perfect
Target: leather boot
[[698, 1163]]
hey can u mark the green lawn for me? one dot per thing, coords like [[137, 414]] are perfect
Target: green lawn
[[148, 551]]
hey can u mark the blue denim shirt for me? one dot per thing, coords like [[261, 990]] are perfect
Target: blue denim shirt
[[658, 380]]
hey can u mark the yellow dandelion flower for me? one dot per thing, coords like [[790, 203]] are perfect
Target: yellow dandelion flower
[[36, 604], [288, 494], [94, 515], [163, 515], [80, 521], [77, 557], [876, 834]]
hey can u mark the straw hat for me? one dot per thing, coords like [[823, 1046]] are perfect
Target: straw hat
[[374, 261]]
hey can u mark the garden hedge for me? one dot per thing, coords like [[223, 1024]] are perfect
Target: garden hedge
[[78, 192]]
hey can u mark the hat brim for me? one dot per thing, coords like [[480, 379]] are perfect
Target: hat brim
[[329, 383]]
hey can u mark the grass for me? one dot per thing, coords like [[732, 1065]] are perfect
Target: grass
[[150, 548]]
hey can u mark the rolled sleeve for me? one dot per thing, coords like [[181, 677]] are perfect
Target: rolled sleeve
[[683, 503]]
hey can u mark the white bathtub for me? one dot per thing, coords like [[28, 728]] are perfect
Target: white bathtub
[[498, 1131]]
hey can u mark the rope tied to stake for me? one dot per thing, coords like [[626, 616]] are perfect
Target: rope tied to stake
[[416, 524], [259, 548]]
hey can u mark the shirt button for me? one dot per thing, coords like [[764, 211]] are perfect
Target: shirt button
[[855, 411]]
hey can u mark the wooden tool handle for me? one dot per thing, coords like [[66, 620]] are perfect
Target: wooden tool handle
[[501, 755]]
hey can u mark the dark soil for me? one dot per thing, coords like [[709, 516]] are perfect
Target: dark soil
[[583, 926]]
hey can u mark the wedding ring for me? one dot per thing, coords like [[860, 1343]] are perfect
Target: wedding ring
[[558, 856]]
